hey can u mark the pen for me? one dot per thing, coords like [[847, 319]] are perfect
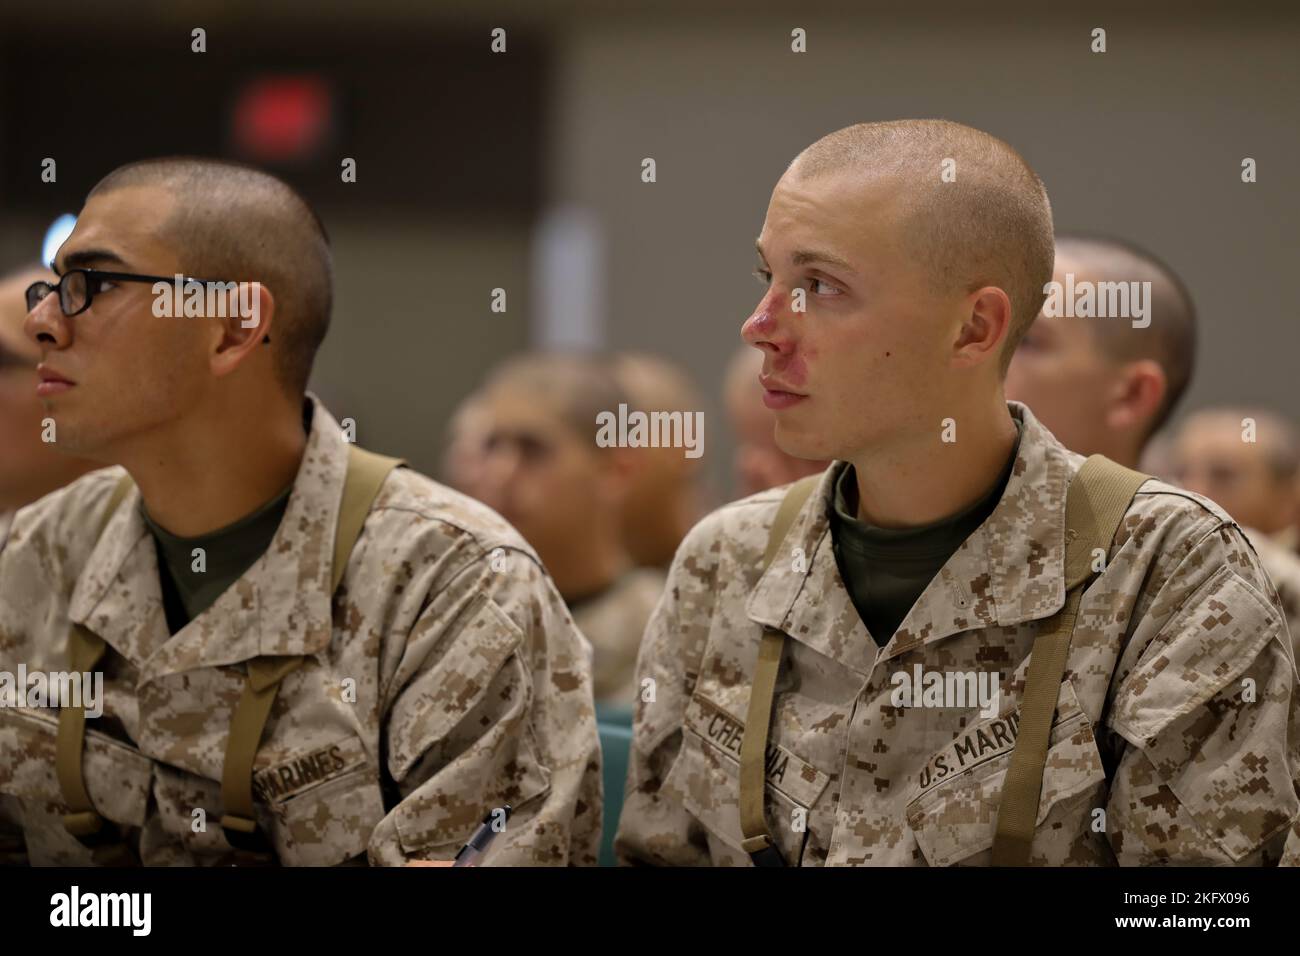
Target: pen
[[478, 843]]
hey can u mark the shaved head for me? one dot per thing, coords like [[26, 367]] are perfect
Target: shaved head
[[543, 469], [235, 223], [1169, 339], [981, 220], [574, 386], [653, 383]]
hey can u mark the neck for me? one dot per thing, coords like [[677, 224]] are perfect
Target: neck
[[920, 479], [215, 467]]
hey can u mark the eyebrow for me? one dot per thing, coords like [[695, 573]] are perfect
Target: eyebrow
[[803, 257], [85, 257]]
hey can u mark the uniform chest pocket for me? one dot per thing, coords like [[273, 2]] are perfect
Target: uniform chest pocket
[[117, 776], [706, 778], [330, 820], [954, 815]]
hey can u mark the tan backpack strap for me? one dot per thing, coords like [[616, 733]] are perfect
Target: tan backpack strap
[[1097, 500], [753, 746], [366, 474], [238, 821], [85, 651]]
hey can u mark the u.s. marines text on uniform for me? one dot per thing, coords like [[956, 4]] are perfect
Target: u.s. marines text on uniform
[[1175, 736], [433, 687]]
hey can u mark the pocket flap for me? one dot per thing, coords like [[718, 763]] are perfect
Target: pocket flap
[[449, 808], [329, 823], [456, 683], [1208, 643], [705, 777], [787, 773], [954, 814], [117, 776]]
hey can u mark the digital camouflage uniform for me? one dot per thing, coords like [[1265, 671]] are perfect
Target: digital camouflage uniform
[[446, 660], [1175, 737]]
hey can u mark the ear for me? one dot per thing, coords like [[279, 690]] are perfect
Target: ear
[[245, 328], [983, 329], [1138, 394]]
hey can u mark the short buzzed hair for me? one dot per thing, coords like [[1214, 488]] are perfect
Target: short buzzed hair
[[1169, 339], [654, 383], [578, 385], [236, 223], [990, 225]]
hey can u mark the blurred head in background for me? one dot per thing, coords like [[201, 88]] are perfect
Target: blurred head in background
[[1104, 385], [1245, 459], [759, 463], [465, 453], [29, 467], [530, 451], [542, 470], [667, 496]]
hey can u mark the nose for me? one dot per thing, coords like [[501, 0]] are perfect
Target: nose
[[47, 326], [769, 327]]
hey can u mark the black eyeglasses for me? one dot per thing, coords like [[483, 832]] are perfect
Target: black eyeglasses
[[77, 287]]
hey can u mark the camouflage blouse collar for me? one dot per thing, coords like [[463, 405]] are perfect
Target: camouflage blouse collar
[[280, 606], [1010, 570]]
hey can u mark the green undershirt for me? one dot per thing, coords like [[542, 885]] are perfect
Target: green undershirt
[[886, 569], [228, 552]]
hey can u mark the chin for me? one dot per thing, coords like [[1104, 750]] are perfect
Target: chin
[[71, 442], [802, 445], [87, 436]]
